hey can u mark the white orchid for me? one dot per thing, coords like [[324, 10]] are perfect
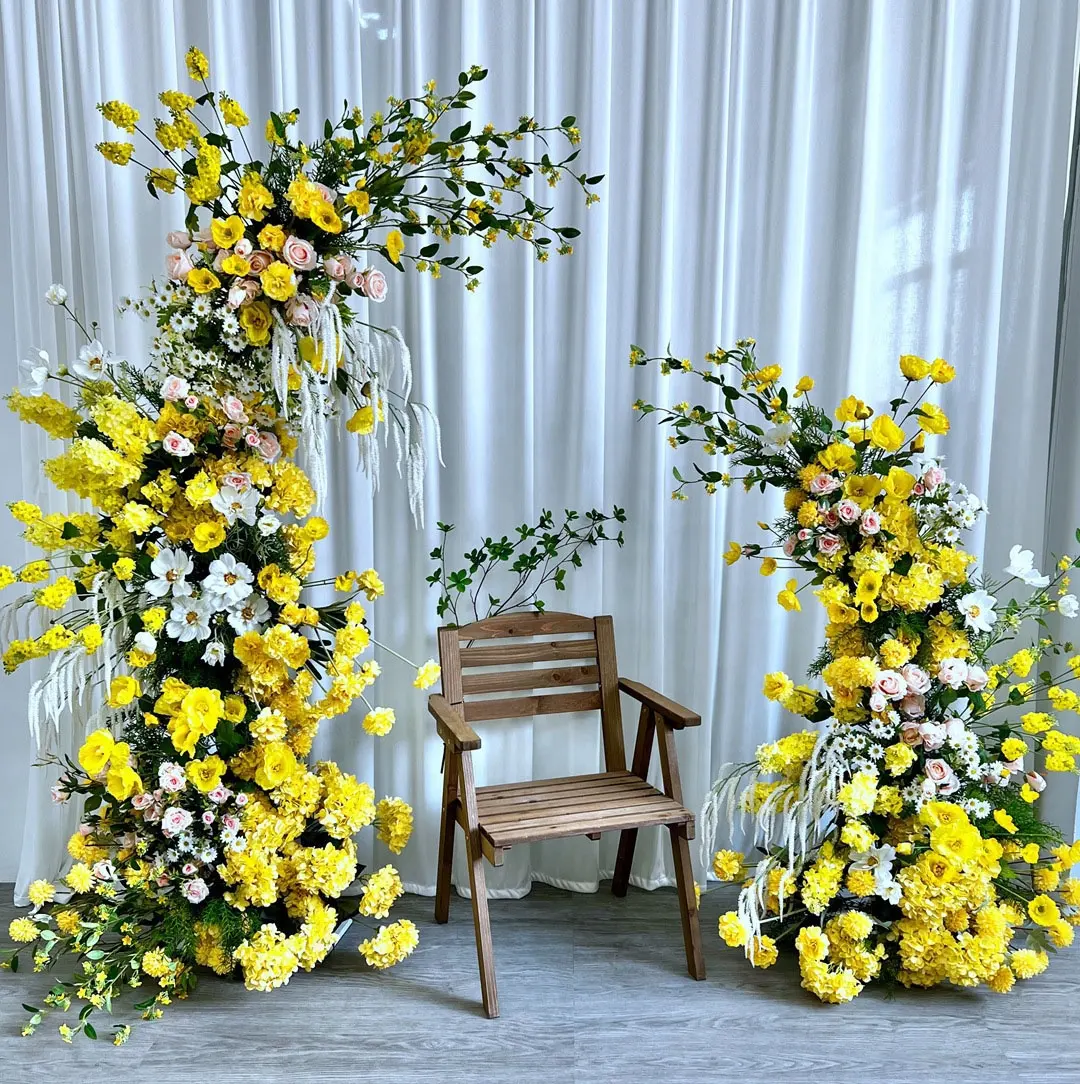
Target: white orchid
[[189, 620], [978, 610], [1022, 566], [35, 371], [250, 615], [228, 582], [170, 569], [236, 504]]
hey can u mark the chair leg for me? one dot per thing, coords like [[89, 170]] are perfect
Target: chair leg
[[684, 877], [620, 879], [482, 923], [447, 830]]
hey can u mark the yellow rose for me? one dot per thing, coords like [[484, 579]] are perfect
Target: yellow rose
[[941, 372], [933, 419], [207, 536], [202, 280], [255, 320], [96, 751], [838, 457], [205, 774], [853, 409], [272, 238], [886, 434], [122, 691], [227, 231], [278, 281], [914, 368], [276, 764]]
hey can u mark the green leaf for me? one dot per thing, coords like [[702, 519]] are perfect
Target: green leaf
[[89, 1031], [460, 132]]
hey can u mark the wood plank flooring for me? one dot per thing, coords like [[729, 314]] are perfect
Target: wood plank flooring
[[592, 989]]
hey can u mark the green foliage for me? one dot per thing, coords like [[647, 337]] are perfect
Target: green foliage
[[538, 557]]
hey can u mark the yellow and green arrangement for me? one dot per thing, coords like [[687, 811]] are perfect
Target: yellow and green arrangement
[[900, 837], [172, 610]]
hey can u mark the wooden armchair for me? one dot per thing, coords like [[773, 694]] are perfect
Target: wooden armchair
[[496, 818]]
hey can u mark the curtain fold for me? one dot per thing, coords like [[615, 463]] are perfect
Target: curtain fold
[[844, 182]]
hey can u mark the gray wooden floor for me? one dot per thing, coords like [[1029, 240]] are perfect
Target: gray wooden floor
[[592, 989]]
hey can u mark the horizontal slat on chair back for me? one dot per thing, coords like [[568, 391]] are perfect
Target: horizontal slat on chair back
[[526, 624], [505, 681], [545, 651], [517, 706]]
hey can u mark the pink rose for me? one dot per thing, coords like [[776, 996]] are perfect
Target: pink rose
[[241, 799], [104, 870], [789, 546], [1036, 782], [220, 794], [191, 401], [910, 735], [178, 239], [174, 388], [918, 680], [174, 821], [188, 868], [878, 701], [830, 519], [942, 776], [890, 684], [260, 260], [823, 483], [1015, 765], [301, 310], [374, 284], [829, 544], [58, 794], [205, 236], [142, 801], [337, 267], [870, 523], [804, 533], [230, 435], [933, 478], [918, 489], [177, 265], [269, 447], [220, 257], [298, 253], [933, 735], [231, 822], [976, 679], [355, 279], [208, 817], [954, 728], [848, 511], [242, 291], [234, 409], [913, 705], [195, 891], [952, 672], [327, 194], [243, 247], [240, 480], [178, 445], [251, 438]]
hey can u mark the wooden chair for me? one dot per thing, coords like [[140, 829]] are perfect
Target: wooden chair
[[496, 818]]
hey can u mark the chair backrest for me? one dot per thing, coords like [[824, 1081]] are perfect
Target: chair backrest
[[582, 648]]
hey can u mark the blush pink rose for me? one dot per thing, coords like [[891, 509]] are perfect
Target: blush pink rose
[[251, 438], [830, 519], [918, 680], [337, 267], [175, 820], [952, 672], [789, 546], [231, 822], [913, 705], [890, 684], [241, 292], [191, 401], [177, 265], [234, 409], [910, 735], [301, 310], [195, 891], [823, 483], [976, 679], [220, 794], [804, 533], [298, 253], [848, 511], [208, 817], [142, 801], [188, 868], [870, 523], [177, 444], [829, 544], [942, 776], [269, 447], [374, 284], [231, 435], [243, 247], [174, 388], [260, 260], [178, 239], [240, 480], [878, 701], [1036, 782], [355, 279], [220, 257], [933, 735], [933, 478]]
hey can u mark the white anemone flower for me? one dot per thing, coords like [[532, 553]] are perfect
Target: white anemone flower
[[169, 569], [234, 504], [214, 655], [1022, 566], [250, 615], [189, 620], [227, 582], [94, 361], [35, 371], [1068, 606], [978, 610]]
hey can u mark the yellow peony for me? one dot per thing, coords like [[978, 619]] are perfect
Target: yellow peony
[[914, 368], [886, 434], [278, 281]]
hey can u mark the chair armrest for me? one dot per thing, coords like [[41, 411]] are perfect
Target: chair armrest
[[451, 724], [674, 714]]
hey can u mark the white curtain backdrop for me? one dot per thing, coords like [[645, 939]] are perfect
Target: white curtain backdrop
[[844, 181]]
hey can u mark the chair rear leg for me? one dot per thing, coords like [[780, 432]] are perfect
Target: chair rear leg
[[482, 923], [620, 879], [447, 831], [684, 878]]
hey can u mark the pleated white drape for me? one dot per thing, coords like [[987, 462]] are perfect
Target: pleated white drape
[[843, 181]]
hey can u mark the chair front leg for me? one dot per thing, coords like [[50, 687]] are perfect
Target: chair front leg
[[478, 888], [447, 830]]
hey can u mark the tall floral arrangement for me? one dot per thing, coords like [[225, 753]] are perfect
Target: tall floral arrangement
[[172, 609], [899, 837]]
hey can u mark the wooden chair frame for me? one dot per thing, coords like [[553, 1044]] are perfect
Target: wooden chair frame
[[492, 818]]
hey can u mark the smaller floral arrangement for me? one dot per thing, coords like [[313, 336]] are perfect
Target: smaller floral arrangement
[[900, 836]]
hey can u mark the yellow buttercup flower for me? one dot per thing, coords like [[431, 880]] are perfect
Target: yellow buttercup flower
[[256, 321], [853, 409], [787, 598], [326, 218], [732, 553], [837, 457], [122, 691], [278, 281], [886, 434], [932, 419], [202, 280], [205, 774]]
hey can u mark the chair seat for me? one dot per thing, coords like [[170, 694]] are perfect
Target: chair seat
[[573, 806]]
